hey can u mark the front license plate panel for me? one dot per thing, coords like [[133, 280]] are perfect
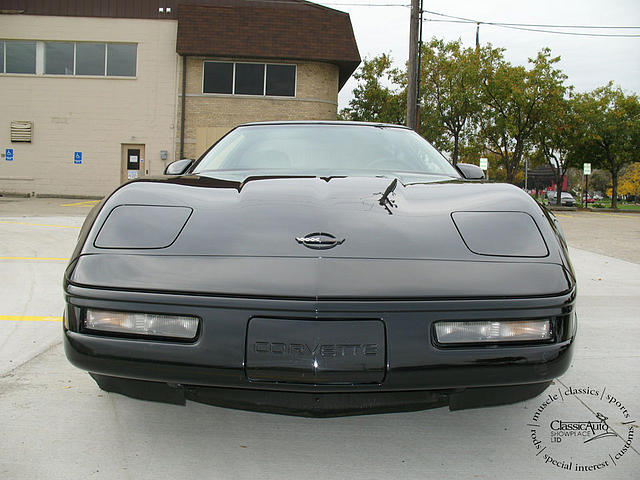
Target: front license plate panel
[[315, 351]]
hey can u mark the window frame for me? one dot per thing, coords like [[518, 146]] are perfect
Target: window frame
[[264, 80]]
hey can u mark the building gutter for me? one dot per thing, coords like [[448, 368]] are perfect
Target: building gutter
[[184, 98]]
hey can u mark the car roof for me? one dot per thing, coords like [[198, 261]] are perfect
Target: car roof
[[324, 122]]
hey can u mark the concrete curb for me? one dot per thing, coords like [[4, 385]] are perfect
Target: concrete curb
[[50, 195], [53, 195], [561, 209], [610, 210]]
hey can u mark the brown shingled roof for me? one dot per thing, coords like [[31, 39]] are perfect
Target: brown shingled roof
[[261, 29], [293, 30]]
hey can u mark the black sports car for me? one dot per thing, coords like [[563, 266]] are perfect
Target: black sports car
[[321, 268]]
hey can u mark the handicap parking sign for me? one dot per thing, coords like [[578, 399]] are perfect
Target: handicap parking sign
[[8, 154], [77, 158]]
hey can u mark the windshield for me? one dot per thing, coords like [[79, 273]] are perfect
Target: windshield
[[325, 149]]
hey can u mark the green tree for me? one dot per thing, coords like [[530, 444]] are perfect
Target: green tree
[[517, 102], [599, 181], [610, 128], [556, 138], [450, 90], [373, 101]]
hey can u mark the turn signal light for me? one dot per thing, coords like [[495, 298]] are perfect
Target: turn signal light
[[173, 326], [494, 331]]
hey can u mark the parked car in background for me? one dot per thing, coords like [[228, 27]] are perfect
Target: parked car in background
[[567, 200]]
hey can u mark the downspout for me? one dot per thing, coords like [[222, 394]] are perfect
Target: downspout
[[182, 112]]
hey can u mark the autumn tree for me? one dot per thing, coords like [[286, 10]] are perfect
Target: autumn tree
[[516, 102], [373, 99], [610, 128], [630, 181]]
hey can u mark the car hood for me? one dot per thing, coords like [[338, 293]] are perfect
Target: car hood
[[370, 217], [240, 238]]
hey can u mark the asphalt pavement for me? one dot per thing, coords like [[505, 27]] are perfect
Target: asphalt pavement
[[56, 424]]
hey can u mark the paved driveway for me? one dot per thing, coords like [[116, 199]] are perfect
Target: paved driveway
[[55, 422]]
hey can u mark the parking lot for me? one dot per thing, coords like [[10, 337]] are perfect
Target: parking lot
[[57, 424]]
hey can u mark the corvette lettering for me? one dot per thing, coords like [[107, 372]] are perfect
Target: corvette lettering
[[321, 350]]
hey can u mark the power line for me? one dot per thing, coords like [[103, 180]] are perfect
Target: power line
[[614, 35], [546, 25], [572, 33], [527, 26], [367, 4]]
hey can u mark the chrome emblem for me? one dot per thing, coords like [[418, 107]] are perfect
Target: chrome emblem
[[319, 241]]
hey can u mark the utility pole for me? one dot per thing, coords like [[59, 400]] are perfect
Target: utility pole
[[412, 81]]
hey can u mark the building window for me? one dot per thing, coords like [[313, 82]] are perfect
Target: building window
[[90, 58], [249, 79], [218, 77], [121, 59], [69, 58], [20, 57], [281, 80], [58, 58]]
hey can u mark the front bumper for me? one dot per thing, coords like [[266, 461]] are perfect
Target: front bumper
[[416, 371]]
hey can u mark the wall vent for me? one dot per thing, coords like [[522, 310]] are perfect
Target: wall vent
[[21, 131]]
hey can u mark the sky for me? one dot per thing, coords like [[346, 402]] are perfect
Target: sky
[[589, 62]]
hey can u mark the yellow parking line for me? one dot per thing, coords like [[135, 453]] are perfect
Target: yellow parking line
[[35, 258], [38, 224], [86, 203], [29, 318], [562, 215], [619, 215]]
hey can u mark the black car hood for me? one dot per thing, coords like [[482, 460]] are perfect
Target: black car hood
[[377, 217], [239, 238]]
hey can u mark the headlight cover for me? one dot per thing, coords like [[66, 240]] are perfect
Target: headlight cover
[[493, 331], [154, 325], [142, 226], [500, 234]]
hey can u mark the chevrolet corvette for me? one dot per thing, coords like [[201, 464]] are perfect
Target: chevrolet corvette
[[321, 269]]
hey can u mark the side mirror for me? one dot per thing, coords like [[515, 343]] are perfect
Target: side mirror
[[178, 167], [470, 171]]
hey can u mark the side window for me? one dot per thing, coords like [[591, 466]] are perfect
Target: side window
[[218, 77], [21, 57], [58, 58], [249, 79], [90, 58], [281, 80], [121, 59]]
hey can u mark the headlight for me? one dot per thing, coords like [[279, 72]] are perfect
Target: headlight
[[175, 326], [494, 331]]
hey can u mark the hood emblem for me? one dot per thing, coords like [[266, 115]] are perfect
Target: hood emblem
[[319, 241]]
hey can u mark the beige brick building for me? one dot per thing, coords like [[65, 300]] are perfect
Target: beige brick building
[[98, 93]]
